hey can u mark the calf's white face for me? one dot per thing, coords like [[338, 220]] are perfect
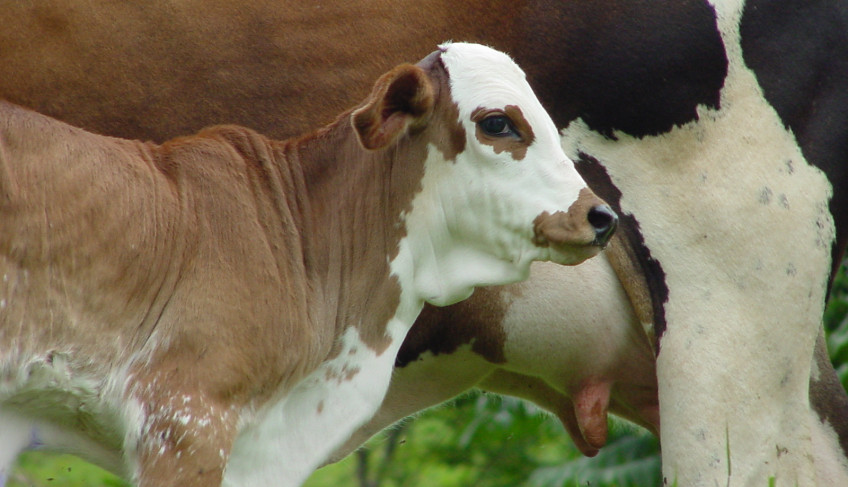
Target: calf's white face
[[511, 196]]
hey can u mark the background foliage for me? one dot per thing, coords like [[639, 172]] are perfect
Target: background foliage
[[479, 439]]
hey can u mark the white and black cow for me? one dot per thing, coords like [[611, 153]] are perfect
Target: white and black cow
[[740, 147], [228, 308], [717, 127]]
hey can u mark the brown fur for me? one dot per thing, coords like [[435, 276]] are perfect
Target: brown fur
[[148, 72], [551, 228]]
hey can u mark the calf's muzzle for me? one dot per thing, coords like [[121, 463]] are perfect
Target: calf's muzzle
[[581, 231]]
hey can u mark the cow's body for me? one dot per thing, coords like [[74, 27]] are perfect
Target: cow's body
[[225, 306], [675, 110]]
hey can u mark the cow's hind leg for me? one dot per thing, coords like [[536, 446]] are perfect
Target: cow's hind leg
[[16, 435]]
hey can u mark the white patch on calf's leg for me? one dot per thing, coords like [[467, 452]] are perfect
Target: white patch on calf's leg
[[287, 439], [86, 415], [16, 435]]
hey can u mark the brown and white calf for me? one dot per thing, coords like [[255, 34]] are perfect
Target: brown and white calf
[[228, 308]]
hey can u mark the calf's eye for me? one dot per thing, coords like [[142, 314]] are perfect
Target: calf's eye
[[497, 126]]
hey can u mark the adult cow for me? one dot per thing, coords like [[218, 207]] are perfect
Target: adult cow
[[228, 307], [706, 122]]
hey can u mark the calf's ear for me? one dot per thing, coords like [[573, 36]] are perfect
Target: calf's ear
[[401, 99]]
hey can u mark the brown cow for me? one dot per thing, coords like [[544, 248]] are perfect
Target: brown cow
[[229, 307]]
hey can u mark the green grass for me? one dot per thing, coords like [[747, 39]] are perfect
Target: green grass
[[45, 469]]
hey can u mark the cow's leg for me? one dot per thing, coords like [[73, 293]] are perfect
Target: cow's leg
[[185, 441], [16, 435]]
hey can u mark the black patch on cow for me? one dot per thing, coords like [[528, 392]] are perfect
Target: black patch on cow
[[640, 67], [798, 50], [597, 178]]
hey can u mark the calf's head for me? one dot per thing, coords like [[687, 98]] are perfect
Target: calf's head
[[497, 191]]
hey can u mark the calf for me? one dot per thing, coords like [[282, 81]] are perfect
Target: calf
[[225, 307]]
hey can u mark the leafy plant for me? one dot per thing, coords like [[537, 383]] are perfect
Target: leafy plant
[[836, 324], [630, 458], [42, 469]]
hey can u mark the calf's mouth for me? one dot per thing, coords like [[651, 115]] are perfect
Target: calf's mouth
[[579, 233]]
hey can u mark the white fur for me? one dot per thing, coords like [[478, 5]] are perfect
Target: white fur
[[17, 435], [739, 222], [830, 464], [287, 440], [470, 202]]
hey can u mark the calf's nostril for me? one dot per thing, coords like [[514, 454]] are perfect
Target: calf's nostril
[[604, 221]]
